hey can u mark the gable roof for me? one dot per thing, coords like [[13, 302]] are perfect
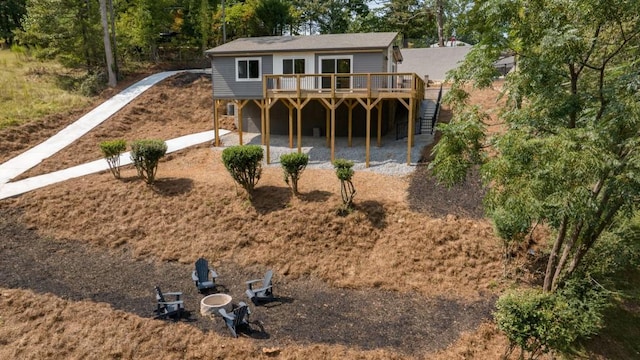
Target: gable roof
[[327, 42]]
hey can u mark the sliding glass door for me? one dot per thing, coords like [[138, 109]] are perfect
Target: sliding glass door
[[336, 65]]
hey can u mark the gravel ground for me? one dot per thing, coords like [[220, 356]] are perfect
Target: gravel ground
[[389, 159]]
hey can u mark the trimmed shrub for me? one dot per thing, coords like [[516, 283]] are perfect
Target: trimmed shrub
[[293, 165], [540, 322], [244, 164], [112, 149], [145, 155], [344, 171]]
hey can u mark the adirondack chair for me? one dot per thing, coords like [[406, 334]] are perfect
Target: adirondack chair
[[166, 309], [237, 319], [201, 276], [262, 294]]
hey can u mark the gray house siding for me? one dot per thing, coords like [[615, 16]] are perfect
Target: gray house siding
[[224, 81]]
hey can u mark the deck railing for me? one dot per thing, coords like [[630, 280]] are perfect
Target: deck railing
[[343, 85]]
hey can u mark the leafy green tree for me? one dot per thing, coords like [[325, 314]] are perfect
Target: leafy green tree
[[273, 16], [111, 150], [569, 153], [411, 18], [65, 30], [293, 165], [140, 24], [12, 13], [330, 17], [146, 155], [244, 163]]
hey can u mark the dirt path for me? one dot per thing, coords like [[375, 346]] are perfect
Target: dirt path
[[309, 310]]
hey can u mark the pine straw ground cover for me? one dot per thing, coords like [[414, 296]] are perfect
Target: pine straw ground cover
[[383, 282]]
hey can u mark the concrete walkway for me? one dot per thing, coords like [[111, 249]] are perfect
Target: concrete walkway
[[71, 133]]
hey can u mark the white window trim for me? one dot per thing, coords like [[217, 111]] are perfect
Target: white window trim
[[259, 59]]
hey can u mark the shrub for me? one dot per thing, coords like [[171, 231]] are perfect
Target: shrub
[[145, 155], [344, 172], [293, 165], [539, 322], [112, 149], [244, 164]]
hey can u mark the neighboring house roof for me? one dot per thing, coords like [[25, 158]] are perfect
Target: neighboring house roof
[[328, 42], [434, 62]]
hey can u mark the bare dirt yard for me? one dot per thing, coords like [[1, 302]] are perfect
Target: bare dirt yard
[[412, 272]]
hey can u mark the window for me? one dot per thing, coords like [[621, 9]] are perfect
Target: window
[[336, 65], [293, 66], [248, 69]]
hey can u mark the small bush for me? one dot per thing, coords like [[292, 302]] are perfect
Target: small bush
[[112, 149], [93, 84], [145, 155], [540, 322], [293, 165], [244, 164], [344, 171]]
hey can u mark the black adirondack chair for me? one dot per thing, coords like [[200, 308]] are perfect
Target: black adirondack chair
[[203, 276], [168, 309], [238, 319], [262, 294]]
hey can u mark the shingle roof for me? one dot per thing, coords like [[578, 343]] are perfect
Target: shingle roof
[[270, 44]]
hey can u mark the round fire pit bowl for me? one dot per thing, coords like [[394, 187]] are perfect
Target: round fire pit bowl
[[210, 304]]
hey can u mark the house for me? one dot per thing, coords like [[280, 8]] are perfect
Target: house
[[336, 85]]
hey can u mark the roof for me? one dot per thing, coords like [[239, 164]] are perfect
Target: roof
[[327, 42], [434, 62]]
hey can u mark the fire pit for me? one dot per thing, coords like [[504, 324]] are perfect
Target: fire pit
[[210, 304]]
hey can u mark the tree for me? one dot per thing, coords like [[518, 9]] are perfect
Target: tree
[[144, 20], [273, 16], [107, 43], [569, 153], [411, 18], [12, 13], [146, 155], [330, 17], [293, 165], [66, 30], [344, 172], [244, 163]]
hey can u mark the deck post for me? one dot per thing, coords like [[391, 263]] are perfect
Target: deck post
[[266, 131], [410, 130], [216, 127], [333, 129], [351, 105], [379, 110], [368, 141]]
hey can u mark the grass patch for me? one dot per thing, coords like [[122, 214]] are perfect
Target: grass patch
[[30, 89]]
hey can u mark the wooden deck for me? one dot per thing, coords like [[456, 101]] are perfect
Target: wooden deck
[[332, 90]]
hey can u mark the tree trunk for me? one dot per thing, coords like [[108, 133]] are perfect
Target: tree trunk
[[107, 43], [551, 263], [114, 47], [440, 21], [565, 255]]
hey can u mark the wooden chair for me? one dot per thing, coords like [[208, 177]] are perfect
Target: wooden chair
[[238, 319], [201, 275], [262, 294], [168, 309]]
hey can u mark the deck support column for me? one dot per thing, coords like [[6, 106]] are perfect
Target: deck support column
[[240, 105], [379, 111], [411, 123], [290, 107], [216, 125], [351, 104], [267, 109]]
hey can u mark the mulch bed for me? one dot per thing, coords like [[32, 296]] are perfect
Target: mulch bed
[[307, 311]]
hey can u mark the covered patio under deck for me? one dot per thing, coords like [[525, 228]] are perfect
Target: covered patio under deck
[[332, 90]]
